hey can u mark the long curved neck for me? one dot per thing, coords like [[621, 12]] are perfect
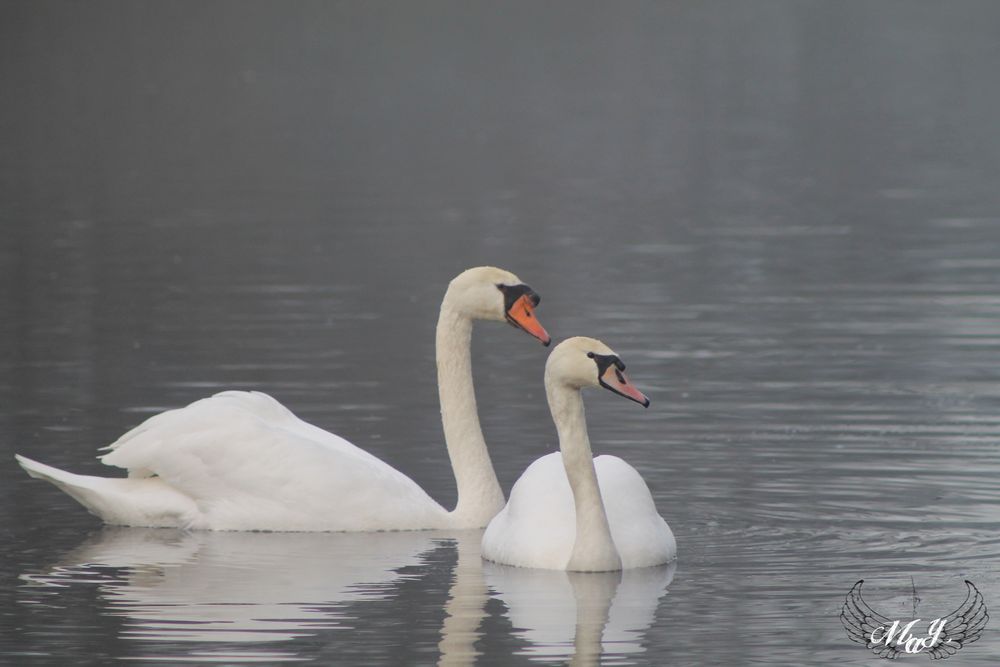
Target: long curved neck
[[594, 549], [479, 494]]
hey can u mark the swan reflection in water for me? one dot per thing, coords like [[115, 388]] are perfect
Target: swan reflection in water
[[250, 588], [241, 588], [580, 616]]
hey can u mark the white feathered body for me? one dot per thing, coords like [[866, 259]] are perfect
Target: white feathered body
[[537, 528], [242, 461]]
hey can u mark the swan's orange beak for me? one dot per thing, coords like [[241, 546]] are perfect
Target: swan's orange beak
[[615, 380], [522, 315]]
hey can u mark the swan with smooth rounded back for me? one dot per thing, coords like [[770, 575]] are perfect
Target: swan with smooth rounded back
[[570, 511], [242, 461]]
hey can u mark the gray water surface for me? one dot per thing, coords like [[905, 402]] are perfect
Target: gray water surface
[[784, 216]]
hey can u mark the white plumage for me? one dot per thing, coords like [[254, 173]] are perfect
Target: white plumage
[[537, 528], [242, 461]]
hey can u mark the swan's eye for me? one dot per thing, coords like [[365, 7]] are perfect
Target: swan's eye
[[590, 355]]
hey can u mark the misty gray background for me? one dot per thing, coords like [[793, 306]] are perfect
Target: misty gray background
[[783, 215]]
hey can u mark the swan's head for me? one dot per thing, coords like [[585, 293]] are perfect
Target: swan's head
[[489, 293], [587, 362]]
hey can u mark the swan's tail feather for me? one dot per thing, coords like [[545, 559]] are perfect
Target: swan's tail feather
[[144, 501]]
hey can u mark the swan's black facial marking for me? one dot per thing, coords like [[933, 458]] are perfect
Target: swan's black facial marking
[[511, 293], [605, 361]]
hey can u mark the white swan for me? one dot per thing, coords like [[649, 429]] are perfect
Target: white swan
[[569, 511], [242, 461]]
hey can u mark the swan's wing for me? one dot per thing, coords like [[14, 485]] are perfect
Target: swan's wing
[[250, 464], [537, 527], [214, 411], [642, 537], [860, 621], [962, 626]]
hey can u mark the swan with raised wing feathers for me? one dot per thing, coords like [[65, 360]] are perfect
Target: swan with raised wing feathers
[[242, 461], [569, 511]]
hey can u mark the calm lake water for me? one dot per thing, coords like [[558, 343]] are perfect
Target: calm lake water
[[783, 215]]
